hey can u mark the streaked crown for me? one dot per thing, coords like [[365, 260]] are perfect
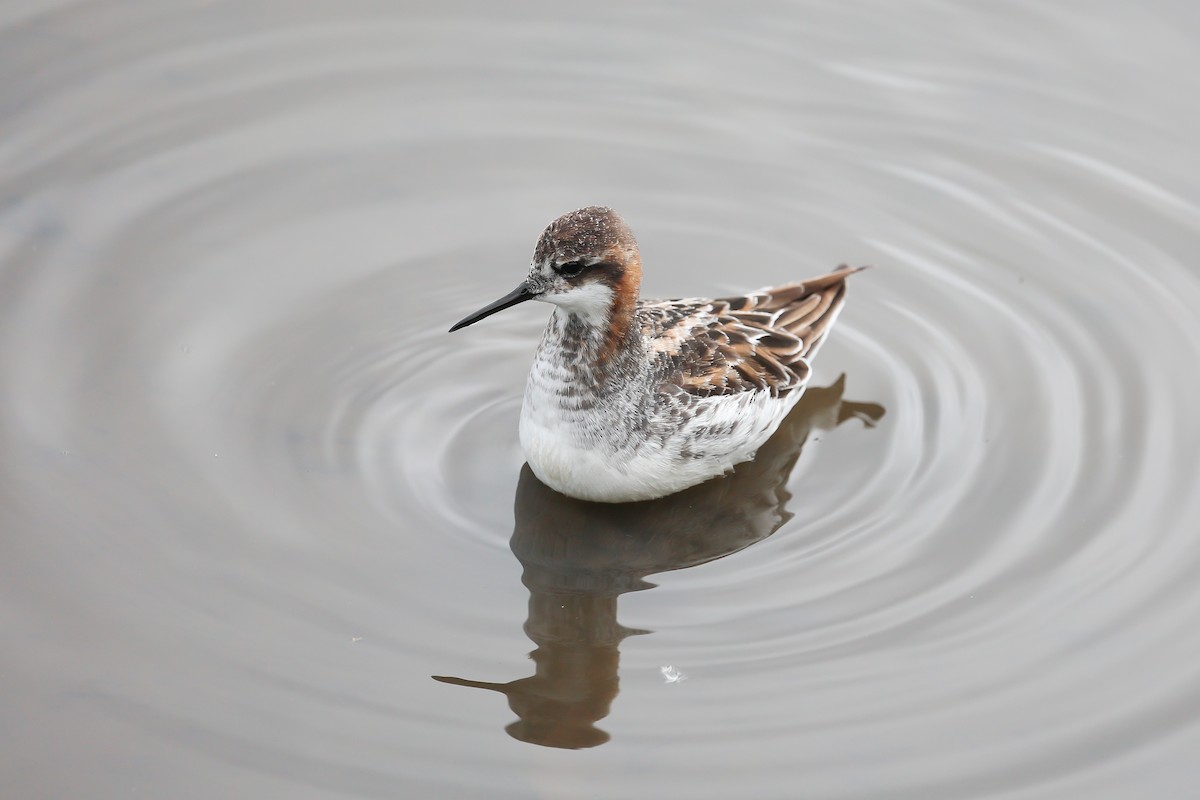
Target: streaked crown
[[595, 233]]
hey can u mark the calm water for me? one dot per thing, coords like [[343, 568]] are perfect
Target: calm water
[[254, 499]]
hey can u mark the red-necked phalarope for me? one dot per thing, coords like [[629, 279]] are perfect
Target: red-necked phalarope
[[634, 399]]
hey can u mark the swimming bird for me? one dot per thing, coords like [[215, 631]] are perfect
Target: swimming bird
[[632, 399]]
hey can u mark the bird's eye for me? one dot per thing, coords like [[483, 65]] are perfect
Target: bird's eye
[[570, 268]]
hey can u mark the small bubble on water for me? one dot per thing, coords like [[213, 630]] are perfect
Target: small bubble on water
[[672, 675]]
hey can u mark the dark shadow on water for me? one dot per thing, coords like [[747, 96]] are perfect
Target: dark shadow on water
[[579, 557]]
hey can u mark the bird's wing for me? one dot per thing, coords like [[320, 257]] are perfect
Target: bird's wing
[[757, 342]]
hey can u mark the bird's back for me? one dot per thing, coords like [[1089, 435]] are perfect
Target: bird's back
[[761, 341]]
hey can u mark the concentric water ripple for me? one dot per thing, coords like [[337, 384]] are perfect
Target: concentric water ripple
[[254, 496]]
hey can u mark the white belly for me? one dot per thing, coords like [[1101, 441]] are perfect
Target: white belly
[[596, 455]]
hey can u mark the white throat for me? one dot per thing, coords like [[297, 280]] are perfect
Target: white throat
[[592, 302]]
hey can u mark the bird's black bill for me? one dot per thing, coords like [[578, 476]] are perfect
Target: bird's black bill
[[517, 295]]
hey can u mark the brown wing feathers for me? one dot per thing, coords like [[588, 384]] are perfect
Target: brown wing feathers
[[804, 310], [759, 341]]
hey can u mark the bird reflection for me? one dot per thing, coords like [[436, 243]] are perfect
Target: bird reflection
[[579, 557]]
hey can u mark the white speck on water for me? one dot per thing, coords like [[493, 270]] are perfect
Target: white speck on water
[[354, 639], [672, 675]]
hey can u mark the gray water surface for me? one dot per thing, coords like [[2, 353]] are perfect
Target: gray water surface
[[264, 527]]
